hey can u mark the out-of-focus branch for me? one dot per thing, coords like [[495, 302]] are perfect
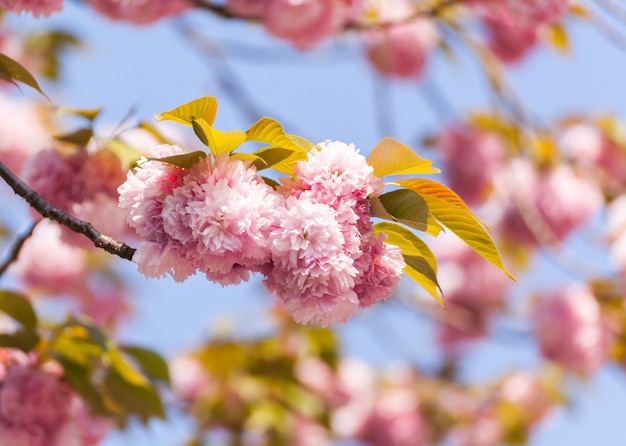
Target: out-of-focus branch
[[53, 213], [15, 251], [420, 11]]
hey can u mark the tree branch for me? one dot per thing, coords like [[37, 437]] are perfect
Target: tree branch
[[15, 252], [53, 213]]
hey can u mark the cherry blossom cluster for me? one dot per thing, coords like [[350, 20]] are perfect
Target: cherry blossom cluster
[[513, 26], [82, 183], [38, 409], [397, 407], [312, 238]]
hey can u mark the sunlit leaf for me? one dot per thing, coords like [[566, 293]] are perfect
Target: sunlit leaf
[[303, 143], [143, 401], [184, 160], [216, 140], [79, 378], [390, 157], [409, 208], [557, 36], [12, 71], [433, 188], [79, 137], [270, 131], [201, 108], [90, 114], [127, 155], [19, 308], [467, 227], [280, 159], [126, 370], [48, 47], [151, 363], [421, 262]]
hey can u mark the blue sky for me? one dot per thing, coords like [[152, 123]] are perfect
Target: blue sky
[[328, 94]]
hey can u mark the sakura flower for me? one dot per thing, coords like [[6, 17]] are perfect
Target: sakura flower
[[472, 289], [509, 43], [311, 273], [561, 199], [23, 132], [48, 264], [400, 49], [472, 158], [579, 340], [524, 393], [222, 214], [305, 23], [522, 13], [35, 7], [139, 12], [247, 8]]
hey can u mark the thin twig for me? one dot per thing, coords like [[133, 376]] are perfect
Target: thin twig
[[14, 253], [53, 213]]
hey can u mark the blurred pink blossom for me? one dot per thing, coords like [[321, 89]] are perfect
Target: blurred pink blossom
[[560, 198], [35, 7], [140, 12], [47, 264], [305, 23], [526, 394], [509, 43], [401, 49], [23, 131], [472, 158], [473, 291], [579, 340]]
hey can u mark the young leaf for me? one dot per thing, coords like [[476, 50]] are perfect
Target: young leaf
[[216, 140], [90, 114], [421, 264], [12, 71], [390, 157], [24, 340], [270, 131], [408, 207], [464, 224], [184, 160], [151, 363], [433, 188], [201, 108], [281, 160], [143, 401], [79, 137], [19, 308]]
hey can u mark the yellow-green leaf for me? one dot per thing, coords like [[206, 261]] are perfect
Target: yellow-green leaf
[[421, 264], [557, 36], [410, 208], [12, 71], [216, 140], [19, 308], [433, 188], [90, 114], [79, 137], [270, 131], [467, 227], [151, 363], [25, 340], [280, 159], [201, 108], [391, 157], [184, 160]]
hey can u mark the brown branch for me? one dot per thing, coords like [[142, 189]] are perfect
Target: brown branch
[[14, 253], [53, 213]]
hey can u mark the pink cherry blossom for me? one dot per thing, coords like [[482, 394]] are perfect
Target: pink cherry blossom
[[380, 269], [23, 130], [484, 430], [312, 274], [401, 49], [472, 288], [247, 8], [305, 23], [190, 381], [223, 214], [560, 200], [509, 43], [472, 158], [579, 340], [47, 264], [616, 222], [522, 13], [526, 394], [35, 7], [140, 12]]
